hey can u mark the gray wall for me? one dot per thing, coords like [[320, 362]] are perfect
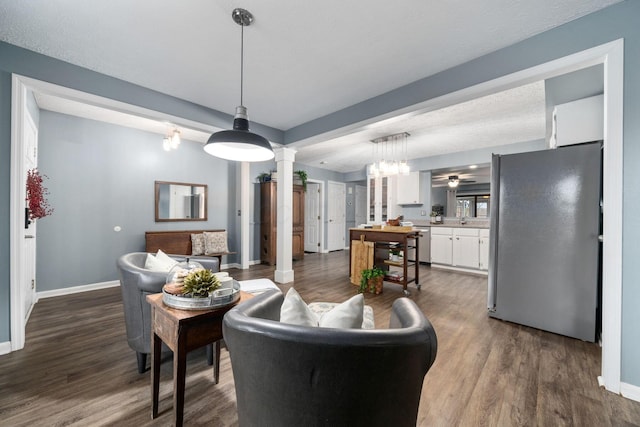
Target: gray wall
[[102, 176], [617, 21]]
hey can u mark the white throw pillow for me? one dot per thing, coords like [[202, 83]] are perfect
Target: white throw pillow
[[296, 312], [347, 315], [165, 259], [159, 262], [151, 263]]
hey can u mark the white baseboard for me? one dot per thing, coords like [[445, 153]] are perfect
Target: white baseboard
[[76, 289], [5, 347], [630, 391], [237, 265]]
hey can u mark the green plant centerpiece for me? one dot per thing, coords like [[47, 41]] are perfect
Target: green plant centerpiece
[[199, 283], [371, 280], [303, 177]]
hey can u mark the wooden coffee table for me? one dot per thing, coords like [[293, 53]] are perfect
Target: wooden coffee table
[[182, 331]]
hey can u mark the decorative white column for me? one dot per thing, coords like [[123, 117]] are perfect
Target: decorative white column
[[284, 223], [245, 214]]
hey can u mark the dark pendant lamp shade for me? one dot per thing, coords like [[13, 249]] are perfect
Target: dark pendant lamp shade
[[239, 144]]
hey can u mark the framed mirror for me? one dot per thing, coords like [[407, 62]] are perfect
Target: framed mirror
[[180, 201]]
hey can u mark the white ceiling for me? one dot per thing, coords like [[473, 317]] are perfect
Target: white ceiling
[[304, 60]]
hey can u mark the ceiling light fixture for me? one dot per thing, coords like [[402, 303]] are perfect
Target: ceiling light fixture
[[390, 155], [172, 140], [453, 181], [239, 144]]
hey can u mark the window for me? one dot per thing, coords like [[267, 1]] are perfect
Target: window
[[473, 206]]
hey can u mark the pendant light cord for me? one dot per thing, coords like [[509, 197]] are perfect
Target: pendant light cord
[[241, 62]]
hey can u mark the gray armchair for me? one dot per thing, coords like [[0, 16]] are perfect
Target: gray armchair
[[136, 283], [288, 375]]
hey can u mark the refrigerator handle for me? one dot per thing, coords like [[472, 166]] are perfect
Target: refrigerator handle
[[492, 290]]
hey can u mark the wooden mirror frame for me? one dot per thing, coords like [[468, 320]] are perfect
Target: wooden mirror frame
[[159, 200]]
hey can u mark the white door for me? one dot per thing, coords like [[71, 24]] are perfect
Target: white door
[[312, 218], [361, 205], [336, 202], [28, 259]]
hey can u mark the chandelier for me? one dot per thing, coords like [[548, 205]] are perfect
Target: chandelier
[[390, 155], [171, 140]]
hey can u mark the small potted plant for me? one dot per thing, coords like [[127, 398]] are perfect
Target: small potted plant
[[371, 280], [394, 254], [302, 178], [264, 177]]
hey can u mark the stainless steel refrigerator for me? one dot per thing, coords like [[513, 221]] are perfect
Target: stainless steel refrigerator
[[544, 265]]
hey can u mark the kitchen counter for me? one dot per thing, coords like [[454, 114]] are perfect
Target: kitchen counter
[[453, 223]]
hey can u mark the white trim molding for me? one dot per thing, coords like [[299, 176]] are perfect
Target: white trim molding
[[18, 317], [5, 347], [630, 391], [77, 289]]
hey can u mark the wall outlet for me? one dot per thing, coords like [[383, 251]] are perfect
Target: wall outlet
[[423, 213]]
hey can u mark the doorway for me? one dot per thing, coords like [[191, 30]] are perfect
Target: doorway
[[313, 217], [336, 204], [24, 157]]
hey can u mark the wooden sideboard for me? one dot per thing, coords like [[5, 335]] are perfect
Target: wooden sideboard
[[268, 220]]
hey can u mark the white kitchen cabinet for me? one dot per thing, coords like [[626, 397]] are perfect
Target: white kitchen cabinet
[[578, 121], [441, 245], [466, 251], [460, 248], [381, 199], [484, 249], [408, 189]]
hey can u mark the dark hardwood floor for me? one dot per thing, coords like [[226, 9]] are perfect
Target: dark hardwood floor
[[77, 370]]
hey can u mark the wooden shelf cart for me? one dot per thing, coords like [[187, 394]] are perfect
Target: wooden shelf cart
[[384, 240]]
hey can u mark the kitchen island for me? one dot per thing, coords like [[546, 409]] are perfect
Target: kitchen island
[[384, 240]]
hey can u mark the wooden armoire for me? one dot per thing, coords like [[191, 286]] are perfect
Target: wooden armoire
[[268, 219]]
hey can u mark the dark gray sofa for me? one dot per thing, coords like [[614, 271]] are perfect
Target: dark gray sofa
[[136, 283], [288, 375]]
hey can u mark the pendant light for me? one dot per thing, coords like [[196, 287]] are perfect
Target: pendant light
[[390, 155], [240, 144]]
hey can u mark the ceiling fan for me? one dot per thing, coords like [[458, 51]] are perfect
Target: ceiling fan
[[453, 180]]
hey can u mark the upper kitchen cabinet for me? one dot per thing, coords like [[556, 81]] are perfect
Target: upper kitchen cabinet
[[408, 189], [381, 198], [578, 121]]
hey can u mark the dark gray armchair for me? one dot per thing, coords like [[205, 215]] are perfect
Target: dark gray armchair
[[288, 375], [136, 283]]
